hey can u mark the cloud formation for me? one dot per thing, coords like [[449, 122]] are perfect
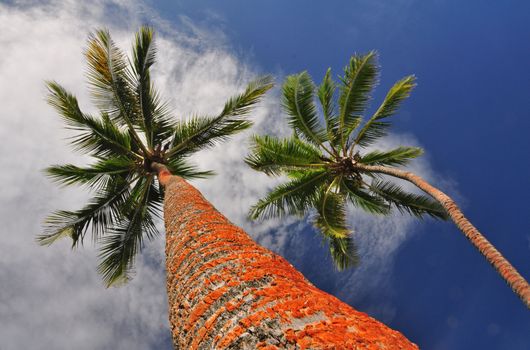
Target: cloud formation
[[52, 298]]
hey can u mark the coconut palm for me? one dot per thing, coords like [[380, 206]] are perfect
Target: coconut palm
[[330, 166], [133, 131], [224, 290]]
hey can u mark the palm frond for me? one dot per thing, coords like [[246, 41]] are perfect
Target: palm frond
[[325, 95], [180, 167], [242, 104], [199, 133], [297, 101], [414, 204], [343, 252], [291, 198], [372, 204], [109, 79], [275, 156], [92, 175], [103, 210], [374, 127], [120, 246], [397, 156], [98, 137], [331, 213], [144, 54], [360, 78], [203, 132]]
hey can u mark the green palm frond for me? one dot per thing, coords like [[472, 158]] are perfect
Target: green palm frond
[[110, 79], [180, 167], [100, 137], [93, 175], [370, 203], [360, 78], [275, 156], [343, 252], [374, 127], [291, 198], [298, 102], [397, 156], [144, 54], [331, 213], [325, 95], [199, 133], [242, 104], [102, 212], [414, 204], [120, 246]]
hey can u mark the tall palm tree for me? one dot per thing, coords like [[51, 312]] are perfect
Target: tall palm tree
[[330, 166], [224, 290]]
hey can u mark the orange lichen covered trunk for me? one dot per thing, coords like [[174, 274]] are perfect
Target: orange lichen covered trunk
[[225, 291]]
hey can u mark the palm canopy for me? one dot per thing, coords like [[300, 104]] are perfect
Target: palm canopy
[[133, 131], [319, 160]]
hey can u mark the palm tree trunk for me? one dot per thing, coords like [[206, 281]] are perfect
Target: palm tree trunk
[[517, 282], [226, 291]]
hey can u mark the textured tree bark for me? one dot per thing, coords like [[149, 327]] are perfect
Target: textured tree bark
[[517, 282], [227, 292]]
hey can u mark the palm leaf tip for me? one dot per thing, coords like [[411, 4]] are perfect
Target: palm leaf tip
[[49, 239], [241, 104], [343, 253]]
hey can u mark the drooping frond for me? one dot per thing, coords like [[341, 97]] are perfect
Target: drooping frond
[[103, 210], [370, 203], [414, 204], [298, 102], [374, 127], [397, 156], [275, 156], [199, 133], [93, 175], [325, 95], [331, 213], [120, 246], [291, 198], [360, 78], [343, 252]]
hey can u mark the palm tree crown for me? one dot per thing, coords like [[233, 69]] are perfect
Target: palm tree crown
[[133, 132], [320, 162]]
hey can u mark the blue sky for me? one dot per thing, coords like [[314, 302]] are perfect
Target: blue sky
[[469, 112]]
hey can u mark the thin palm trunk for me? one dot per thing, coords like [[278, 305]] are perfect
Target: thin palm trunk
[[517, 282], [226, 291]]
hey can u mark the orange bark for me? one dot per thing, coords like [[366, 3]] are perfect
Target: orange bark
[[225, 291]]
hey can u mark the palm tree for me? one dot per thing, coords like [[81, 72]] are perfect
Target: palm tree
[[224, 290], [329, 166]]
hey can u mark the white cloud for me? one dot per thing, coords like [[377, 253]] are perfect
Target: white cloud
[[52, 298]]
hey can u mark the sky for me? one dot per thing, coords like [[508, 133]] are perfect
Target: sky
[[469, 112]]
